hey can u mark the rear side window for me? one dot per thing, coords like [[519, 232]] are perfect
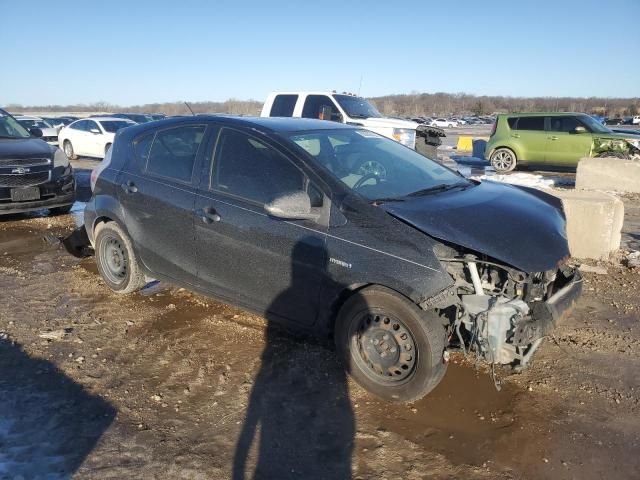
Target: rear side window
[[246, 167], [530, 123], [512, 122], [81, 125], [564, 124], [173, 152], [142, 146], [283, 105], [313, 106]]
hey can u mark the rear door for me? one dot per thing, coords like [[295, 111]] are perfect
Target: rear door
[[157, 193], [268, 264], [283, 105], [564, 145], [529, 134]]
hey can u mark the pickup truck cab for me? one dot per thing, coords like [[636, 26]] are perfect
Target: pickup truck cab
[[352, 110]]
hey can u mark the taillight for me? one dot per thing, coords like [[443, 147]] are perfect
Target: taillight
[[494, 127]]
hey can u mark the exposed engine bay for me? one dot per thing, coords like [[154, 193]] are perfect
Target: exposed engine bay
[[501, 313]]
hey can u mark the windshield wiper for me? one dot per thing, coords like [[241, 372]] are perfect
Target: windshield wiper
[[438, 188], [379, 201], [10, 136], [358, 115]]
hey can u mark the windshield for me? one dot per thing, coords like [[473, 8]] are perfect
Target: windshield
[[10, 128], [31, 123], [376, 167], [594, 125], [357, 107], [114, 125]]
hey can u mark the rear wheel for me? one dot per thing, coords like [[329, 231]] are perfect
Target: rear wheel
[[116, 259], [389, 346], [68, 150], [503, 160]]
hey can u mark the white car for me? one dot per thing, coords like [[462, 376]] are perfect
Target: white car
[[444, 123], [49, 133], [91, 137], [636, 120]]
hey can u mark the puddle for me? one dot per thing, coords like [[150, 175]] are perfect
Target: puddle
[[465, 418], [18, 242]]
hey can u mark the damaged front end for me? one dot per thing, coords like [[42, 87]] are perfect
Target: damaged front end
[[501, 313]]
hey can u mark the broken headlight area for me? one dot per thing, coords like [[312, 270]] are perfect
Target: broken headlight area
[[501, 313]]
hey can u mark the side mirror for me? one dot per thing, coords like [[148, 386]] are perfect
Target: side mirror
[[580, 129], [94, 130], [36, 132], [291, 206]]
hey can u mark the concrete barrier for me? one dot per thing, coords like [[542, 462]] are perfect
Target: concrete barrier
[[608, 174], [594, 222]]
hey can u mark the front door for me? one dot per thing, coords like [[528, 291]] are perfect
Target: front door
[[267, 264], [157, 192], [565, 146]]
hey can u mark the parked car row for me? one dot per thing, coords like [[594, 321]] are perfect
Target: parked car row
[[452, 122]]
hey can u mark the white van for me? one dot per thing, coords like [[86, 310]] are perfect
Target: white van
[[353, 110]]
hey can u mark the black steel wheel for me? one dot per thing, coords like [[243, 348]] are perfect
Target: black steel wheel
[[116, 259], [389, 346]]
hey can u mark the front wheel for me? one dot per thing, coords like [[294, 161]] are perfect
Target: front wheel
[[68, 150], [116, 259], [503, 160], [389, 346]]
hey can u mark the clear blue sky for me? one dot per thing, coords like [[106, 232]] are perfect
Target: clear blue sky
[[141, 51]]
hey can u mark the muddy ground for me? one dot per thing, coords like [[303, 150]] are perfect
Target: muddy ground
[[175, 385]]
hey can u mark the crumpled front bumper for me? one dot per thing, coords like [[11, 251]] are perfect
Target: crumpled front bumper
[[546, 314]]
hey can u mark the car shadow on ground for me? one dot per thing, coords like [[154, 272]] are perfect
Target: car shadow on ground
[[299, 420], [48, 423]]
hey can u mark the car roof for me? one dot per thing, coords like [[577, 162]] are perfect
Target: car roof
[[108, 119], [274, 124]]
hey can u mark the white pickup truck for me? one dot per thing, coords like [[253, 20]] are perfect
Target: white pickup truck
[[353, 110]]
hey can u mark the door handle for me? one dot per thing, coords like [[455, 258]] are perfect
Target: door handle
[[553, 137], [208, 214], [129, 187]]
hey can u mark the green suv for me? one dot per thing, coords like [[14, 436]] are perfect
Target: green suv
[[553, 139]]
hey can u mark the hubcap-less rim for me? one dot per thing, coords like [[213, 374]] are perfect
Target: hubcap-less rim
[[502, 160], [383, 347], [113, 259]]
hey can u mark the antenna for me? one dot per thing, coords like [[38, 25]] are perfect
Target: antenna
[[189, 109]]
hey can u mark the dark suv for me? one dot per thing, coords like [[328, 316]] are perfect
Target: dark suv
[[400, 260], [33, 174]]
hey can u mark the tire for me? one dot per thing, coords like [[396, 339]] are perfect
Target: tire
[[504, 160], [68, 150], [60, 210], [117, 262], [377, 322]]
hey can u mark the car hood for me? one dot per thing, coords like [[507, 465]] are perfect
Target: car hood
[[502, 221], [24, 148], [386, 122]]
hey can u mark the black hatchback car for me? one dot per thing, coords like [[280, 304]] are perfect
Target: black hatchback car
[[335, 229], [33, 174]]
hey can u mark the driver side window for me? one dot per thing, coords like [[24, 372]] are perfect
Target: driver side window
[[246, 167]]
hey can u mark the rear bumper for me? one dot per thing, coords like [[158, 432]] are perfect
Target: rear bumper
[[56, 193]]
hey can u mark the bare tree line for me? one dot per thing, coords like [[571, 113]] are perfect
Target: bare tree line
[[414, 104]]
